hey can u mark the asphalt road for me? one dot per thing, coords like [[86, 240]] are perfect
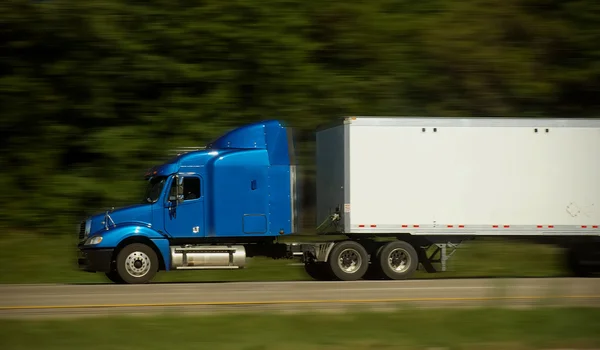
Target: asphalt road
[[102, 299]]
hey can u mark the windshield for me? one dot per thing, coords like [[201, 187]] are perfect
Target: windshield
[[154, 189]]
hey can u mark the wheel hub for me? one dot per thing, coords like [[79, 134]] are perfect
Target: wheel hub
[[137, 264], [349, 261], [399, 260]]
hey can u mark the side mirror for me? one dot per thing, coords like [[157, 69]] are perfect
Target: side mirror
[[173, 194], [179, 188]]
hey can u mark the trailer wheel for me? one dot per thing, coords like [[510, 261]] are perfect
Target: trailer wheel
[[348, 261], [398, 260], [318, 271], [137, 263]]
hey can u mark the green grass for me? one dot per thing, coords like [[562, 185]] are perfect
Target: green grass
[[404, 329], [31, 258]]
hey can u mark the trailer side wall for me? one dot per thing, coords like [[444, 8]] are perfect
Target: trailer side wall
[[475, 176]]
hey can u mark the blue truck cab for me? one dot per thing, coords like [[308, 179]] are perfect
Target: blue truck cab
[[201, 209]]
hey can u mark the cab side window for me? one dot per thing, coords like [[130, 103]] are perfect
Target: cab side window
[[191, 188]]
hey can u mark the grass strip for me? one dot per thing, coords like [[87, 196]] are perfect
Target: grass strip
[[542, 328]]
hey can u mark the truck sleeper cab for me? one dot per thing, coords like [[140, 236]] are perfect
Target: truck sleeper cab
[[240, 189]]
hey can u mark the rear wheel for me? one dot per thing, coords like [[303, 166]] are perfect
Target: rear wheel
[[398, 260], [137, 263], [348, 261]]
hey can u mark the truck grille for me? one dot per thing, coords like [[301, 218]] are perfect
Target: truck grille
[[82, 230]]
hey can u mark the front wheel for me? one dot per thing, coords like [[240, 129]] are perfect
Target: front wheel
[[137, 263]]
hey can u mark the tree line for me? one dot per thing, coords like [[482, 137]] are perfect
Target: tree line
[[92, 93]]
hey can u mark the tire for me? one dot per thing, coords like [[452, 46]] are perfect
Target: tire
[[398, 260], [352, 253], [114, 277], [137, 263], [318, 271]]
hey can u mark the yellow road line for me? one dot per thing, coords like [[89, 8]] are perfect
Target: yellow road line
[[282, 302]]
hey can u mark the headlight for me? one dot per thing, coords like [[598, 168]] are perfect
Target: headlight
[[94, 240]]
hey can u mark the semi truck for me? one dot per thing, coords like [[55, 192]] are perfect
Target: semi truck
[[389, 190]]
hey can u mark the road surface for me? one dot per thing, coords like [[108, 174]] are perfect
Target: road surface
[[102, 299]]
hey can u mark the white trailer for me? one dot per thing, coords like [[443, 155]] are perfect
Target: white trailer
[[426, 180]]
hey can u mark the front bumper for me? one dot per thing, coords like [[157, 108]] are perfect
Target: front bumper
[[95, 260]]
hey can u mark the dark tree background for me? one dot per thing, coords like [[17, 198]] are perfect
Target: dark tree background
[[92, 93]]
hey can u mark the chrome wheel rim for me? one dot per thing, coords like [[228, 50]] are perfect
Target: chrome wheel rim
[[399, 260], [349, 260], [137, 264]]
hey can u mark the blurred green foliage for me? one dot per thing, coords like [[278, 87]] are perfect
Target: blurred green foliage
[[92, 93]]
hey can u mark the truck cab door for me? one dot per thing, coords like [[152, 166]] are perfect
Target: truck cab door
[[185, 218]]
